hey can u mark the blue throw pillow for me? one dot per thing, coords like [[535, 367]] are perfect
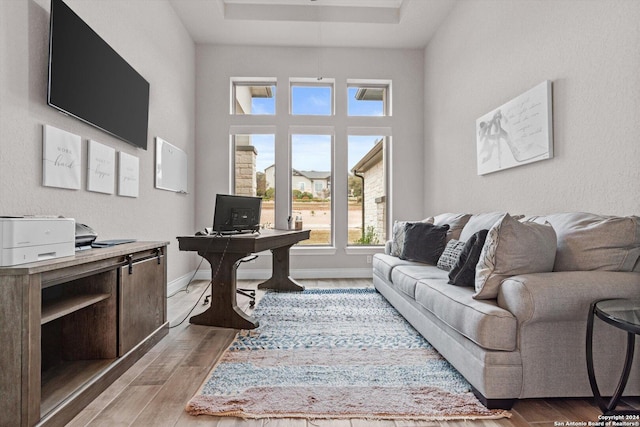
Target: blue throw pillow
[[463, 272], [424, 242]]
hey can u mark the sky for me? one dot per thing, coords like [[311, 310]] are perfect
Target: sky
[[313, 152]]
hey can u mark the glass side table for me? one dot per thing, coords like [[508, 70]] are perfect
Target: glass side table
[[623, 314]]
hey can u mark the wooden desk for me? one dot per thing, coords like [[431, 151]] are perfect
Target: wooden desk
[[223, 252]]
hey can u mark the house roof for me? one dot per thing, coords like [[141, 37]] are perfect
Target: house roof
[[313, 174], [373, 157]]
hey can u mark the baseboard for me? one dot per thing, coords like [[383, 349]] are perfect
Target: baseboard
[[181, 282], [265, 273]]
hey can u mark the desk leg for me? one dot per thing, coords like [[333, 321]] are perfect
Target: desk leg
[[224, 311], [280, 279]]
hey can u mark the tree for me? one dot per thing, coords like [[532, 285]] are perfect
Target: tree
[[261, 184]]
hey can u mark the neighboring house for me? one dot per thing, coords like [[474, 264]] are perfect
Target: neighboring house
[[371, 170], [318, 183]]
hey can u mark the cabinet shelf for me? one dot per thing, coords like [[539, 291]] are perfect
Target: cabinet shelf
[[55, 309]]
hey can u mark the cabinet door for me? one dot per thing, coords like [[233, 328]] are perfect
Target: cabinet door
[[142, 301]]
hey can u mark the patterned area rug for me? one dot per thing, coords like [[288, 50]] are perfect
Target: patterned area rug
[[335, 353]]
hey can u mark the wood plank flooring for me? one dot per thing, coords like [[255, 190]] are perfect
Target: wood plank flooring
[[156, 389]]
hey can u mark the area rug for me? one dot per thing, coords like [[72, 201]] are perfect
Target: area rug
[[335, 353]]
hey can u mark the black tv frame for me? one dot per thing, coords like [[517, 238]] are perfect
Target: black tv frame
[[89, 80]]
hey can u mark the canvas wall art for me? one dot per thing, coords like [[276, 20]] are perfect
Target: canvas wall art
[[516, 133], [129, 173], [61, 161], [101, 168]]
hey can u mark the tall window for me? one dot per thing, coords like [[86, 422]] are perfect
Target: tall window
[[254, 171], [367, 190], [297, 147], [311, 171]]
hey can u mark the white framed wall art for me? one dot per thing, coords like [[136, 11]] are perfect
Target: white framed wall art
[[128, 175], [516, 133], [61, 158], [101, 168]]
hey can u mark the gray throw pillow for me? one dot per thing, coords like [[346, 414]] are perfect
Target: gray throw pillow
[[450, 255], [424, 242]]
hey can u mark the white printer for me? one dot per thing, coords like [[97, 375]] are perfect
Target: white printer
[[32, 239]]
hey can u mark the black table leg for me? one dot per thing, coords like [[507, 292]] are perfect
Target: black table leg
[[608, 407]]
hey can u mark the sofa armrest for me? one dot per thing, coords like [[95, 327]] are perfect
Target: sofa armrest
[[563, 295]]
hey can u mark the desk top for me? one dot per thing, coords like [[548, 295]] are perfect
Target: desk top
[[242, 243]]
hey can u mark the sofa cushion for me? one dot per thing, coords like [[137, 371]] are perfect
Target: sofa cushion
[[384, 264], [397, 236], [455, 221], [481, 321], [424, 242], [450, 255], [477, 222], [595, 242], [405, 277], [513, 247], [463, 272]]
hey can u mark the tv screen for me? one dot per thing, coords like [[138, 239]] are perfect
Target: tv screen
[[90, 81], [233, 214]]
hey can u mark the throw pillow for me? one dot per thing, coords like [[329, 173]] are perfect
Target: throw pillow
[[477, 222], [513, 247], [424, 242], [463, 272], [456, 222], [450, 255], [595, 242], [397, 236]]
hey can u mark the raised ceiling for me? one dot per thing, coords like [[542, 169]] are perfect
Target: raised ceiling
[[326, 23]]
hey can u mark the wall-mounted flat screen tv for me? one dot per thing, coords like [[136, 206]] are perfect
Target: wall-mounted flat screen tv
[[90, 81]]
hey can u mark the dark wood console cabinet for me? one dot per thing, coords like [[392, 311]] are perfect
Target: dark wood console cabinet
[[71, 326]]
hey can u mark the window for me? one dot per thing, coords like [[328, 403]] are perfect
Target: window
[[368, 99], [311, 170], [367, 190], [253, 98], [297, 147], [312, 99], [254, 171]]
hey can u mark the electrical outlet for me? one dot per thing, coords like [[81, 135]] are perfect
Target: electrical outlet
[[369, 259]]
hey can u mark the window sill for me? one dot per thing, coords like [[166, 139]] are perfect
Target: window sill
[[363, 250]]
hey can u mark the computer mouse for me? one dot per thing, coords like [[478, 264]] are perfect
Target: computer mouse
[[200, 233]]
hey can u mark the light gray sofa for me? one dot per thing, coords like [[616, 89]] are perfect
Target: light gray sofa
[[529, 341]]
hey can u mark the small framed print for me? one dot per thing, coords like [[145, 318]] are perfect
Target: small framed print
[[61, 158], [128, 175], [101, 169]]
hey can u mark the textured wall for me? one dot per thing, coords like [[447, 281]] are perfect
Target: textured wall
[[151, 38], [489, 51]]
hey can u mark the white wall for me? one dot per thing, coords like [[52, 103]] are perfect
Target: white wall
[[152, 39], [489, 51], [217, 64]]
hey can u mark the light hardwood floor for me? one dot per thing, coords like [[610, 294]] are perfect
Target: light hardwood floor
[[156, 389]]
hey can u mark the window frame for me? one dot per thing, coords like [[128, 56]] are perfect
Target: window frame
[[371, 84], [248, 82], [311, 82]]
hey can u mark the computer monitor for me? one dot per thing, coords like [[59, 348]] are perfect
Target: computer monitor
[[236, 214]]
